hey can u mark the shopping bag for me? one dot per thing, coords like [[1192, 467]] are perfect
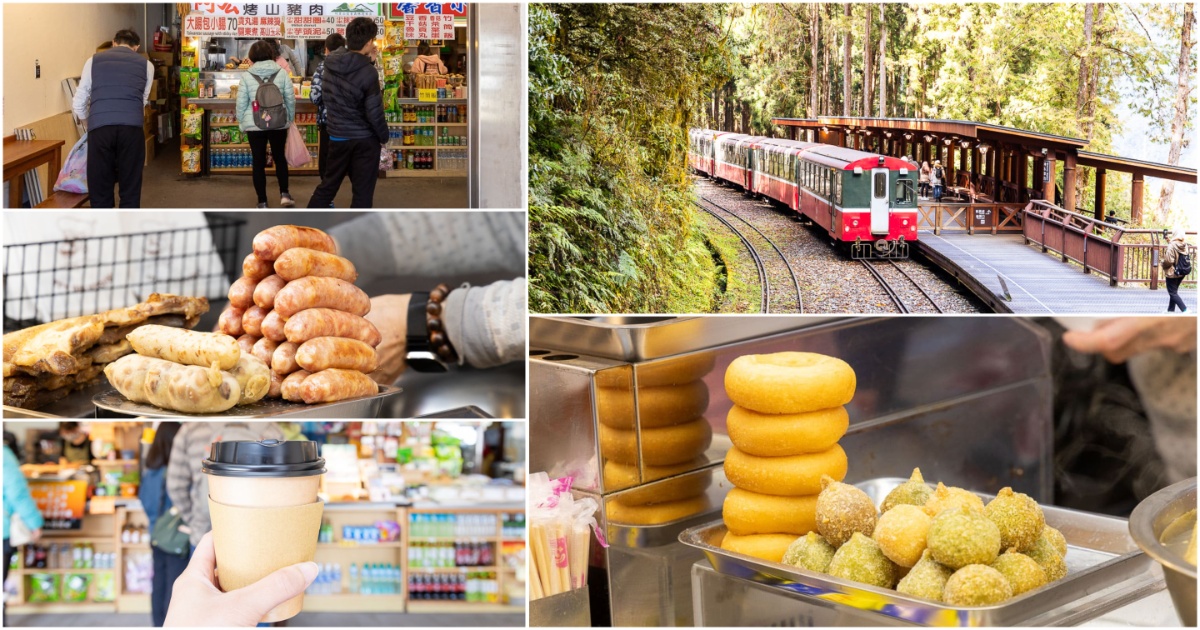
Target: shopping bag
[[73, 176], [297, 152]]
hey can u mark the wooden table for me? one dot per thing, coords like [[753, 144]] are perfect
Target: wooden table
[[22, 156]]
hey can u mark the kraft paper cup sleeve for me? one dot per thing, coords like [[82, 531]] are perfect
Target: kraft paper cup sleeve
[[253, 542]]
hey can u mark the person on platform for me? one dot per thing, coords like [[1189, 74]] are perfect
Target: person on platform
[[923, 179], [335, 41], [265, 72], [428, 61], [938, 179], [357, 127], [1170, 257], [113, 92], [17, 502]]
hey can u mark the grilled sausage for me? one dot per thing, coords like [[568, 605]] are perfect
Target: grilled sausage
[[272, 326], [283, 361], [327, 322], [241, 292], [256, 268], [323, 353], [263, 349], [252, 320], [246, 343], [185, 346], [299, 262], [335, 384], [270, 243], [264, 293], [230, 322], [290, 390], [317, 292], [276, 389]]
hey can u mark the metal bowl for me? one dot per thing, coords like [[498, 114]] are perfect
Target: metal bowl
[[1147, 524]]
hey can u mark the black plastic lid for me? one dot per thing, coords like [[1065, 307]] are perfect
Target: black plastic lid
[[268, 458]]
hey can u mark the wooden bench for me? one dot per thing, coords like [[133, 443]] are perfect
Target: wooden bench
[[60, 199]]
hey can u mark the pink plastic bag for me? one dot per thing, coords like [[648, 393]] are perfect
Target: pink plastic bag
[[297, 152], [73, 176]]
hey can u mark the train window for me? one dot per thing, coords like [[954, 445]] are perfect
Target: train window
[[905, 196], [880, 185], [837, 190]]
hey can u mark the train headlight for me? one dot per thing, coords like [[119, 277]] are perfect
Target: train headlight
[[904, 222], [855, 223]]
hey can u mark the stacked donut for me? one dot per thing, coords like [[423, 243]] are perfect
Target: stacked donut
[[670, 405], [787, 418], [296, 308]]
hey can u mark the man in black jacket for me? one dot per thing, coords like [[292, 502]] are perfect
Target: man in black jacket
[[354, 117]]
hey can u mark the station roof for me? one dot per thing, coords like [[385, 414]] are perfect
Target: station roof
[[1130, 165]]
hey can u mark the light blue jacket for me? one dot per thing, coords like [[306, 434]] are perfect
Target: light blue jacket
[[249, 87], [16, 495]]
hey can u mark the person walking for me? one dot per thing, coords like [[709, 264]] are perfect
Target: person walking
[[938, 178], [1175, 270], [266, 106], [335, 41], [110, 101], [923, 179], [428, 62], [357, 127], [17, 502], [152, 492]]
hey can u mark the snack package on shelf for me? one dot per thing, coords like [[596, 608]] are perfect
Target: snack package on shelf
[[560, 531]]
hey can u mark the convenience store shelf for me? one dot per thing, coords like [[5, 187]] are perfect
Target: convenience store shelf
[[247, 146], [436, 606], [29, 570], [344, 545], [428, 124], [452, 569], [354, 602], [60, 608], [403, 172], [247, 171]]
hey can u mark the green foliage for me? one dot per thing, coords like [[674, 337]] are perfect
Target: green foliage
[[613, 91]]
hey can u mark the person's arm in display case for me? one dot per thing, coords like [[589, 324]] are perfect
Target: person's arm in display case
[[17, 497], [196, 600], [1124, 337], [83, 94]]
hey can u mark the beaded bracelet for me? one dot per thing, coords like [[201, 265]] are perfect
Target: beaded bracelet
[[433, 321]]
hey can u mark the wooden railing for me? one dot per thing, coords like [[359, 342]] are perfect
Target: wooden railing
[[1122, 254], [972, 218]]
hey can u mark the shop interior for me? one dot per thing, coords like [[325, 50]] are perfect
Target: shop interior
[[200, 255], [195, 154], [700, 497], [424, 524]]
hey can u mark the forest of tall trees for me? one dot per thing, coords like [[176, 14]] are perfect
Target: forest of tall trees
[[614, 88]]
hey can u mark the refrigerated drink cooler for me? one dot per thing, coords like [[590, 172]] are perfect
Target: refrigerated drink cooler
[[968, 400]]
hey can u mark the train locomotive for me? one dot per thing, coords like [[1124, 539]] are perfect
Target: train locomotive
[[866, 202]]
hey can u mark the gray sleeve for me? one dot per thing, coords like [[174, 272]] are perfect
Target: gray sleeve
[[179, 474], [487, 324], [433, 243]]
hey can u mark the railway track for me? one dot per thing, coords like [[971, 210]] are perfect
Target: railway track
[[774, 269], [891, 290]]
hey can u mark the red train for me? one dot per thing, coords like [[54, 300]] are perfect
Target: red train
[[864, 200]]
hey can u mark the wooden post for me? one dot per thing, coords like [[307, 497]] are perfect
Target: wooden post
[[1048, 178], [962, 159], [1022, 176], [1135, 205], [1101, 182], [1069, 182]]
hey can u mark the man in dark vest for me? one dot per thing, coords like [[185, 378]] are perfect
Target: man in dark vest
[[113, 92]]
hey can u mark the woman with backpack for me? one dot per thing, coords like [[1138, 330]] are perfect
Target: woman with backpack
[[153, 494], [428, 61], [1177, 265], [266, 107]]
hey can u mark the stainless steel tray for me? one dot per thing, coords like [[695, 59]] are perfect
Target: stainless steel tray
[[364, 407], [645, 338], [1100, 555]]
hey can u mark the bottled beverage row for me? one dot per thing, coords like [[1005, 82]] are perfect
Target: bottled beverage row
[[135, 535], [428, 114], [412, 161], [424, 137], [512, 525], [66, 556], [422, 525], [373, 578], [481, 587], [449, 555], [230, 118], [380, 531], [241, 158]]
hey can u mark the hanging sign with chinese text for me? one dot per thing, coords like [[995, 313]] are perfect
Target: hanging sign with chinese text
[[300, 20]]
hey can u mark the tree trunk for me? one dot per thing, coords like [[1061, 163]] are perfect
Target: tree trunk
[[745, 116], [728, 126], [814, 28], [866, 110], [1181, 105], [882, 65], [847, 44], [1089, 77]]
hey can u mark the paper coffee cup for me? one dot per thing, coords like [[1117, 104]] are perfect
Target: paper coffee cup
[[262, 498]]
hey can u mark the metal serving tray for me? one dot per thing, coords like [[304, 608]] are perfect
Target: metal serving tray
[[645, 338], [115, 404], [1100, 555]]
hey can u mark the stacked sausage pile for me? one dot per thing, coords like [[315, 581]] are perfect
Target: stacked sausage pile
[[787, 419], [296, 308]]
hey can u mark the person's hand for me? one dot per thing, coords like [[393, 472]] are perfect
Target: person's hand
[[35, 535], [1121, 338], [389, 313], [196, 600]]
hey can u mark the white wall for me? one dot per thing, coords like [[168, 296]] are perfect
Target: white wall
[[61, 37]]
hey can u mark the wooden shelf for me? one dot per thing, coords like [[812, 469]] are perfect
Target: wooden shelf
[[437, 147], [270, 170], [27, 570], [403, 172], [354, 602], [430, 124], [46, 535], [381, 545], [114, 462], [65, 608], [247, 146], [451, 569], [436, 539], [435, 606]]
